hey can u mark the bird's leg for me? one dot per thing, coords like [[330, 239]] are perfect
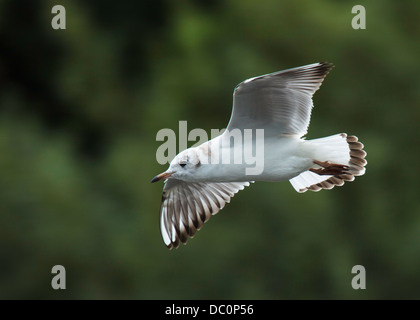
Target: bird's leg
[[328, 168]]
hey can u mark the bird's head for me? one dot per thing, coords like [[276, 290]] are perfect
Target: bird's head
[[183, 167]]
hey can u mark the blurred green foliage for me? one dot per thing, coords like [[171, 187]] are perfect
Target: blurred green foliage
[[79, 113]]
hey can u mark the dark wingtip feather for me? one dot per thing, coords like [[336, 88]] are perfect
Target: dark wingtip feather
[[327, 65]]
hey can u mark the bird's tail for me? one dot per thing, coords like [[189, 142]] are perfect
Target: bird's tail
[[338, 149]]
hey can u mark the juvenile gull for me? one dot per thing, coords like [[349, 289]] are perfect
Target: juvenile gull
[[198, 182]]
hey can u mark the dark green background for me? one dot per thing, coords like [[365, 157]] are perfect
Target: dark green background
[[79, 113]]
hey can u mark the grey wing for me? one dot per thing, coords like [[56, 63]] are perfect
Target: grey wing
[[279, 102], [186, 206]]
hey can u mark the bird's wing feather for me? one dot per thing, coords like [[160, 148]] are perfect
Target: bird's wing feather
[[186, 206], [279, 102]]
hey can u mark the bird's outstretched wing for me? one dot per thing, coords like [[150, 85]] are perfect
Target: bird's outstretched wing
[[279, 102], [186, 206]]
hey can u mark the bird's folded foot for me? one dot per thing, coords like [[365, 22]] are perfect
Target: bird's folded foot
[[329, 168]]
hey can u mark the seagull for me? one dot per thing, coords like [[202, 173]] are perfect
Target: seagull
[[198, 185]]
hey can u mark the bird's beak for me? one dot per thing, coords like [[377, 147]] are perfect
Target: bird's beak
[[163, 175]]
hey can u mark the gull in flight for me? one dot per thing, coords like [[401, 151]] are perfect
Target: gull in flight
[[198, 184]]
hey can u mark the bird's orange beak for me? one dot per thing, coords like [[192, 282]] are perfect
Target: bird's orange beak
[[163, 175]]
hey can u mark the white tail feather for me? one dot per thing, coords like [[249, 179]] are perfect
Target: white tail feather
[[338, 149]]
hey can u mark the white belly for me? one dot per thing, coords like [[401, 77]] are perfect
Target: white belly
[[275, 159]]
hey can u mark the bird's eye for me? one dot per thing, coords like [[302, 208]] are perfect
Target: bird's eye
[[183, 164]]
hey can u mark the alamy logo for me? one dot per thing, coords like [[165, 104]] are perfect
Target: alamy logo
[[59, 280], [359, 280], [59, 20], [359, 20], [239, 147]]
